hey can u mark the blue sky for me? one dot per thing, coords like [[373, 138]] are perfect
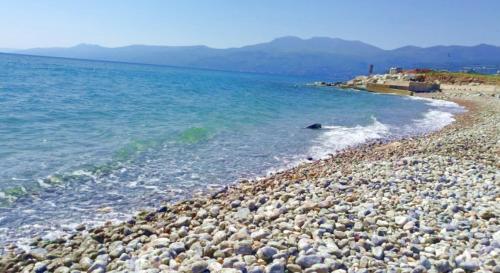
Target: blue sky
[[231, 23]]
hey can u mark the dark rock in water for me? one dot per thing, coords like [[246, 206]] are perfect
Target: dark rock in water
[[310, 158], [314, 126], [162, 209]]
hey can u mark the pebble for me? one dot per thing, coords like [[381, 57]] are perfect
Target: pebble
[[256, 269], [199, 267], [443, 266], [307, 261], [182, 221], [470, 265], [293, 268], [276, 267], [401, 220], [243, 248], [318, 268], [266, 253], [378, 253], [408, 226], [40, 267], [413, 205], [177, 247], [259, 234]]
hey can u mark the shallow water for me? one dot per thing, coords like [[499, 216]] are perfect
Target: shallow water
[[85, 141]]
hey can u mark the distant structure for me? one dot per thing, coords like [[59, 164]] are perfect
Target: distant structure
[[479, 69], [467, 70], [370, 69], [396, 81], [395, 70], [417, 71], [402, 87]]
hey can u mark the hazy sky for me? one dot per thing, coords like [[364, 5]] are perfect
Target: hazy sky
[[231, 23]]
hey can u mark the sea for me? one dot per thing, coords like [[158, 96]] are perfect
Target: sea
[[90, 142]]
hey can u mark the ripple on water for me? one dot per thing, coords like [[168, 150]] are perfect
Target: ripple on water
[[88, 149]]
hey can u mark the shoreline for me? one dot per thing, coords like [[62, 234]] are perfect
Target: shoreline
[[300, 220], [374, 132]]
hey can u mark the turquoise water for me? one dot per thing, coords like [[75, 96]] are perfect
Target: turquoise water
[[86, 141]]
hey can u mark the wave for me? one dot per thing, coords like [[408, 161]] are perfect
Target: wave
[[122, 158], [11, 194], [436, 102], [433, 120], [328, 141], [440, 115], [336, 138]]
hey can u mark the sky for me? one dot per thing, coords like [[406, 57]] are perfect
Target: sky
[[230, 23]]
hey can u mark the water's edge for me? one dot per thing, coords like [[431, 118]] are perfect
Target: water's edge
[[375, 132]]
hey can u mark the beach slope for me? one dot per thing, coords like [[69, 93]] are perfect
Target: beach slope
[[423, 204]]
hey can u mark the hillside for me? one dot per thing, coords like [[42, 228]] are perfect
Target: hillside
[[315, 57]]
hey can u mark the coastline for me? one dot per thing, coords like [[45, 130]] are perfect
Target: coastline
[[375, 206]]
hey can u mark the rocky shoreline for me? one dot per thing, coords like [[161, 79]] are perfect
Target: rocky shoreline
[[422, 204]]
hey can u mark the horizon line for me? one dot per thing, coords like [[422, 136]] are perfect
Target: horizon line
[[236, 47]]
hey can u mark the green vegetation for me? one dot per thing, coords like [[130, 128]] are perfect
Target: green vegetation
[[462, 78]]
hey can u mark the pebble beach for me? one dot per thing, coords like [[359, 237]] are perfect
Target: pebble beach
[[421, 204]]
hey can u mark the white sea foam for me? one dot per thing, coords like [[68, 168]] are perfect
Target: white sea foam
[[42, 184], [436, 118], [24, 245], [19, 179], [333, 139], [336, 138], [436, 102], [83, 173], [433, 120], [54, 235], [443, 103]]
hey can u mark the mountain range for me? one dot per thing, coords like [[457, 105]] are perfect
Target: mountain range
[[315, 57]]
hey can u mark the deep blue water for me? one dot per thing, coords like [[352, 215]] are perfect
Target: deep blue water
[[85, 141]]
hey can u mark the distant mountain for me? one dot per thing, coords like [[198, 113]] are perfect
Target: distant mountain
[[338, 46], [315, 57], [445, 56]]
